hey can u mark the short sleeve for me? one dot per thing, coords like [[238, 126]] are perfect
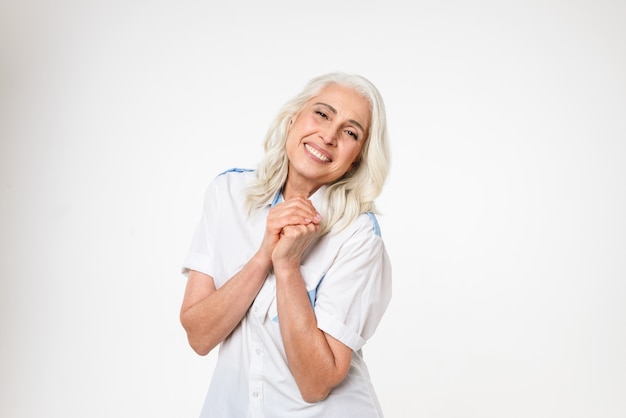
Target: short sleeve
[[201, 251], [355, 292]]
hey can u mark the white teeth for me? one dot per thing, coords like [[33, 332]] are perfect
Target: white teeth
[[316, 153]]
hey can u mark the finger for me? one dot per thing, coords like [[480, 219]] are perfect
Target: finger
[[295, 213], [305, 205]]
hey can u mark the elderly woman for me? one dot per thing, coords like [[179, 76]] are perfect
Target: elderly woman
[[287, 271]]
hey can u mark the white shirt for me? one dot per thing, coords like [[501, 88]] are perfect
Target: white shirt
[[348, 277]]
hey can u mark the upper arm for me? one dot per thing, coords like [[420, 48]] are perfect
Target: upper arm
[[356, 289]]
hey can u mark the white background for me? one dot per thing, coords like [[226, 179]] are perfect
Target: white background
[[504, 214]]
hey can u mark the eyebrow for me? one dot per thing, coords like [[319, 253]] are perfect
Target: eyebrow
[[333, 110]]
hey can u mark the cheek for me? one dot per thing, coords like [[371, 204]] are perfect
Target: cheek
[[350, 161], [293, 137], [291, 144], [356, 156], [304, 124]]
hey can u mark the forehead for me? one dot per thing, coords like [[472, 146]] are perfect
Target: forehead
[[346, 101]]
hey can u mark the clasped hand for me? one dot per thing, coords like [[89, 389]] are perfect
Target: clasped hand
[[290, 228]]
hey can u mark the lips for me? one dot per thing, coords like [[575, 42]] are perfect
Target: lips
[[316, 153]]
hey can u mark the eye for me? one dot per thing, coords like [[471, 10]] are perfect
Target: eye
[[352, 134], [321, 114]]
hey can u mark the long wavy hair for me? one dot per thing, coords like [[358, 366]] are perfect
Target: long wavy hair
[[352, 194]]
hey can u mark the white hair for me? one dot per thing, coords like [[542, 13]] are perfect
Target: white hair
[[356, 191]]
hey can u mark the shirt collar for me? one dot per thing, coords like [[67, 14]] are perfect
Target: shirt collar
[[316, 197]]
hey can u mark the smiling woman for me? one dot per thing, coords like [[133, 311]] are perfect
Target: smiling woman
[[287, 272], [323, 139]]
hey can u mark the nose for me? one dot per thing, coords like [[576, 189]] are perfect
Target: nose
[[329, 135]]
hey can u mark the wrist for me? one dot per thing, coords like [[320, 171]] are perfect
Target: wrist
[[286, 267]]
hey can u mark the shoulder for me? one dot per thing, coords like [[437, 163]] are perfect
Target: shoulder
[[236, 170], [364, 229], [374, 223], [231, 182], [366, 223], [233, 176]]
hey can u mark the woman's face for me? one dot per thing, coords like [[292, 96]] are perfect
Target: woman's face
[[325, 138]]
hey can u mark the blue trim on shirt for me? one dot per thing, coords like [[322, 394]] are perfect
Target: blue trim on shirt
[[236, 170], [312, 294], [375, 222], [278, 198]]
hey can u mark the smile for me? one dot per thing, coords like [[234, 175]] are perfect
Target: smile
[[316, 153]]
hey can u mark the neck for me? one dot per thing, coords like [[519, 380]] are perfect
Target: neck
[[290, 190]]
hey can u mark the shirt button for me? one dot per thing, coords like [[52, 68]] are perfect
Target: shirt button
[[255, 394], [258, 351], [255, 309]]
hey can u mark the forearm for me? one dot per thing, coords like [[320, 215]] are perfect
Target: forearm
[[311, 359], [210, 319]]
